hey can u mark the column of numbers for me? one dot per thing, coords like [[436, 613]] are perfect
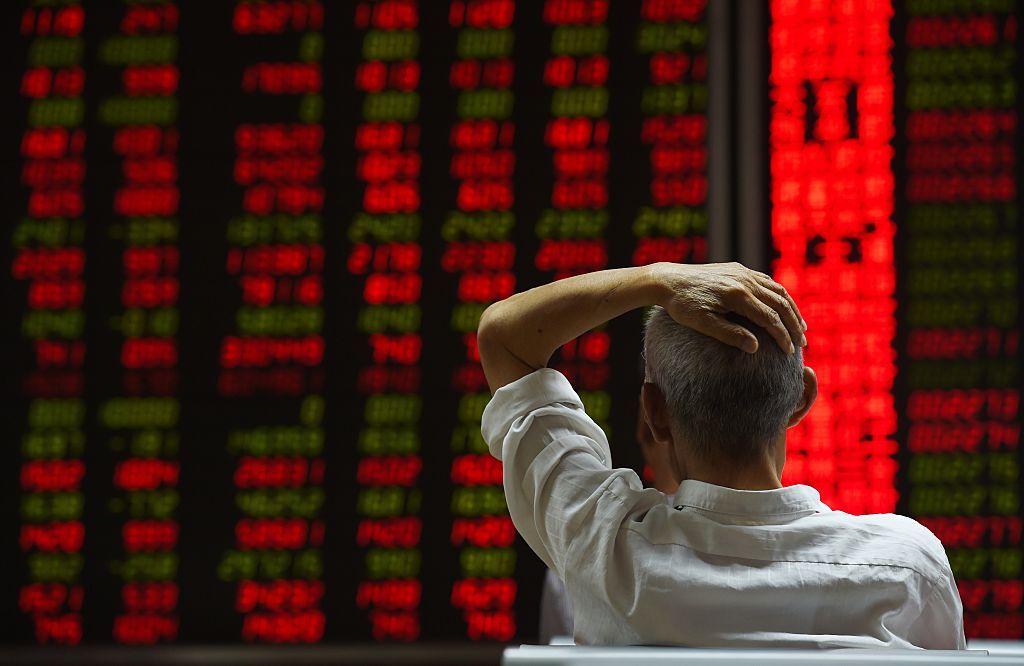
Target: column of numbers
[[478, 249], [48, 237], [271, 362], [961, 290], [386, 257]]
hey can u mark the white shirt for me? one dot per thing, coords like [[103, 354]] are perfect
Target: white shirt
[[555, 609], [717, 566]]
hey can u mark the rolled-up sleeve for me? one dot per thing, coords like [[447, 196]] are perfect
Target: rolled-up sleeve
[[559, 483]]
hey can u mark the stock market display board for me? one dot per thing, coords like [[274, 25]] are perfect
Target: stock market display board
[[245, 258], [246, 246]]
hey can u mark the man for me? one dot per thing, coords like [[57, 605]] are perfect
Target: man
[[735, 559]]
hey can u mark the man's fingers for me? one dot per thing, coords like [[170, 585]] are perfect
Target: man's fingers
[[785, 310], [723, 330], [777, 288], [764, 316]]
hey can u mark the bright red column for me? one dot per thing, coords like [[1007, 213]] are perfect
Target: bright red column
[[830, 133]]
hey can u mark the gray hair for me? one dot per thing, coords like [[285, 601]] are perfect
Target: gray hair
[[725, 403]]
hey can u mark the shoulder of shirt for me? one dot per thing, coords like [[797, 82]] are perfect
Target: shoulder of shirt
[[903, 525], [908, 531]]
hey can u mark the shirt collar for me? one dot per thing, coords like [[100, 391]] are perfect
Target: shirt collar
[[786, 503]]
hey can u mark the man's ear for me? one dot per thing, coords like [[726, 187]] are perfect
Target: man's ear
[[656, 413], [810, 393]]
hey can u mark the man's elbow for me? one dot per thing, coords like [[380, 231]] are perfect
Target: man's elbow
[[489, 330]]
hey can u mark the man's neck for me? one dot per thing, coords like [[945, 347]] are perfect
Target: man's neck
[[761, 475]]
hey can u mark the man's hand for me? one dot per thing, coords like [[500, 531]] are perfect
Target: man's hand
[[519, 334], [699, 297]]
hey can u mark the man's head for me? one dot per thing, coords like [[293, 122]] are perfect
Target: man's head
[[723, 406]]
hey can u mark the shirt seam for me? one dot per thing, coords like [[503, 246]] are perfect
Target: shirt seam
[[622, 501], [923, 575]]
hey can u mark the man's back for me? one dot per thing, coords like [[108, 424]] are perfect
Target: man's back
[[765, 568], [716, 566]]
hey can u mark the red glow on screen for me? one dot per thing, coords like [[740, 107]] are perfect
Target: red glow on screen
[[400, 257], [484, 594], [280, 78], [388, 135], [575, 11], [482, 134], [565, 71], [145, 140], [300, 627], [566, 133], [483, 532], [40, 82], [51, 475], [481, 13], [143, 474], [483, 287], [832, 202], [395, 625], [53, 173], [276, 259], [380, 379], [38, 598], [389, 470], [387, 15], [277, 16], [476, 469], [52, 142], [279, 138], [140, 80], [403, 349], [149, 535], [471, 74], [679, 250], [478, 255], [277, 472], [572, 256], [274, 534], [65, 537], [150, 292], [278, 595], [140, 19], [389, 594], [266, 351], [498, 164], [48, 263], [46, 21], [376, 75], [265, 290], [392, 288], [496, 625], [150, 597], [403, 532]]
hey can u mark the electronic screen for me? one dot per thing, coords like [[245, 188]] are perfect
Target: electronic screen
[[247, 246]]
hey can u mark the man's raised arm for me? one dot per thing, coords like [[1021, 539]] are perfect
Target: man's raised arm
[[518, 335]]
